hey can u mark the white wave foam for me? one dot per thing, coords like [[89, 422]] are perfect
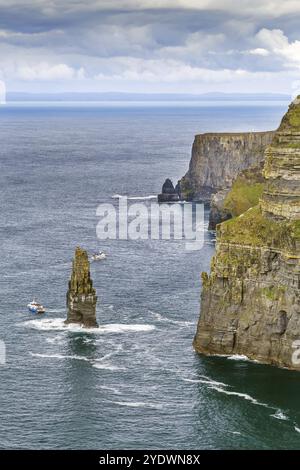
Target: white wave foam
[[108, 367], [245, 396], [206, 380], [123, 328], [115, 390], [164, 319], [297, 429], [134, 198], [109, 355], [55, 339], [182, 202], [97, 363], [280, 415], [240, 357], [57, 324], [223, 388], [60, 356], [139, 404], [236, 357]]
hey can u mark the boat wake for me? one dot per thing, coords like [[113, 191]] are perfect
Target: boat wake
[[98, 363], [139, 404], [108, 367]]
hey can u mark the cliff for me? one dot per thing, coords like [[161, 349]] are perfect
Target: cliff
[[218, 158], [168, 192], [250, 302], [245, 193], [81, 295]]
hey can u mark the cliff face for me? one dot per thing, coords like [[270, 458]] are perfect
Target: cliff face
[[250, 302], [81, 296], [168, 192], [217, 159], [245, 193]]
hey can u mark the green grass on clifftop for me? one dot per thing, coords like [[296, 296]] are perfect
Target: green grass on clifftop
[[291, 120], [252, 228], [242, 196], [245, 191]]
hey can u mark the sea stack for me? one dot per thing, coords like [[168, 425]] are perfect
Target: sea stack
[[81, 296], [168, 192], [250, 302]]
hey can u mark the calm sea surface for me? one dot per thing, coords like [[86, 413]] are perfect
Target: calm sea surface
[[135, 383]]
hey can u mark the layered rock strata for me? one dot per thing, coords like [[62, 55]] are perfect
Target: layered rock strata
[[218, 158], [250, 301], [81, 295], [245, 192]]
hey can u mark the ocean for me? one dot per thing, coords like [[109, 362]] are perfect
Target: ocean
[[136, 383]]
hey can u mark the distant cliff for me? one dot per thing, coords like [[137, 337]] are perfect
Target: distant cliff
[[217, 159], [250, 302]]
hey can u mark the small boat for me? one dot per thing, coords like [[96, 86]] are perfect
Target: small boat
[[98, 256], [35, 307]]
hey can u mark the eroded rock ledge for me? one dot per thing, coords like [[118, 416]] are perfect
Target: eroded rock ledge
[[250, 302]]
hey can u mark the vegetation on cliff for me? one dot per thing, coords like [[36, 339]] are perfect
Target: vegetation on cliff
[[246, 191], [254, 229], [250, 301]]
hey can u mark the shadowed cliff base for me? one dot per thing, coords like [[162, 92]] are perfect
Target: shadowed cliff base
[[250, 302]]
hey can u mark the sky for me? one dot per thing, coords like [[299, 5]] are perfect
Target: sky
[[150, 46]]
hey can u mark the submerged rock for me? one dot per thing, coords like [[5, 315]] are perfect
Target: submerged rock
[[81, 296], [168, 192], [250, 301]]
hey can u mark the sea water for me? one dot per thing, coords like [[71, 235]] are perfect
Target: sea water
[[136, 381]]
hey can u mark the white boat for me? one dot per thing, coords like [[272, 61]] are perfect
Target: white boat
[[98, 256], [35, 307]]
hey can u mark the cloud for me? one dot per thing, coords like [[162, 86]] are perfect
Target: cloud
[[45, 72], [127, 44], [259, 51], [255, 7], [165, 71], [277, 43]]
